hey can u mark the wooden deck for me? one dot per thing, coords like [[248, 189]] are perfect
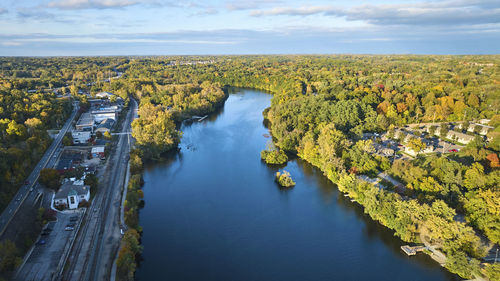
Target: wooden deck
[[412, 250]]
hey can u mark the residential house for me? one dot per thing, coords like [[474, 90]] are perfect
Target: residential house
[[459, 137], [71, 195]]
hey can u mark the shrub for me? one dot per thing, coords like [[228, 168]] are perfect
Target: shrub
[[284, 179]]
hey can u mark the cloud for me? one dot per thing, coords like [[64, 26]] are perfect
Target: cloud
[[3, 11], [90, 4], [250, 4], [421, 13], [24, 14], [301, 11]]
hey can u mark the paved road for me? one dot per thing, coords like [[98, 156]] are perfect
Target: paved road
[[29, 188], [95, 248]]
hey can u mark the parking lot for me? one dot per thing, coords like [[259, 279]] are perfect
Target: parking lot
[[44, 258]]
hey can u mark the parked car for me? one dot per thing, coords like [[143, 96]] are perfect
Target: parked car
[[73, 218], [45, 233], [69, 228], [41, 242], [70, 224]]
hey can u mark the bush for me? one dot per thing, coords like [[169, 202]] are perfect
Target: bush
[[460, 264], [275, 157], [284, 179]]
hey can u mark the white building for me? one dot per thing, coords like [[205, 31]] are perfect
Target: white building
[[101, 115], [104, 95], [80, 137], [70, 195], [428, 149], [459, 137]]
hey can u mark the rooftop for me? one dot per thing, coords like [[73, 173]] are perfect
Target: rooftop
[[68, 188], [85, 120]]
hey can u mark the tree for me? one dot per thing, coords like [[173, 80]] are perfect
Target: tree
[[474, 177], [443, 131], [67, 140], [493, 160], [107, 135], [9, 256], [155, 130], [417, 145], [33, 123], [459, 264], [50, 178], [284, 179]]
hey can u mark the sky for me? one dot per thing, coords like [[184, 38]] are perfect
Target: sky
[[156, 27]]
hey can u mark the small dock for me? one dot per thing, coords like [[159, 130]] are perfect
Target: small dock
[[412, 250]]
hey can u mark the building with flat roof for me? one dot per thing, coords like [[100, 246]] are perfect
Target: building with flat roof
[[97, 151], [100, 116], [80, 137], [85, 122]]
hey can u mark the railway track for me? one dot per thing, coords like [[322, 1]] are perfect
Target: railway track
[[88, 259]]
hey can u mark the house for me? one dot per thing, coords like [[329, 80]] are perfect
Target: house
[[105, 126], [485, 121], [80, 137], [71, 195], [483, 129], [459, 137], [85, 122], [428, 149], [97, 151]]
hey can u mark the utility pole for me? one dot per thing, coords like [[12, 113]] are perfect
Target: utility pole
[[496, 256]]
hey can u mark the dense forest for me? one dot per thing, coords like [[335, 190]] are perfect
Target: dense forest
[[321, 107]]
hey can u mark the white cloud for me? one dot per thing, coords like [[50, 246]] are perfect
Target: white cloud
[[90, 4], [248, 4], [458, 12]]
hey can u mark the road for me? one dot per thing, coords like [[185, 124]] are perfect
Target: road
[[31, 187], [99, 238]]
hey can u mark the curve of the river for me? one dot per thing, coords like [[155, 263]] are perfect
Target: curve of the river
[[213, 212]]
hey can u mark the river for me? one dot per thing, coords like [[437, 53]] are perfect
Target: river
[[214, 212]]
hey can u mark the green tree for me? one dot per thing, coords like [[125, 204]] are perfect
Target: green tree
[[416, 144], [50, 178], [9, 256]]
